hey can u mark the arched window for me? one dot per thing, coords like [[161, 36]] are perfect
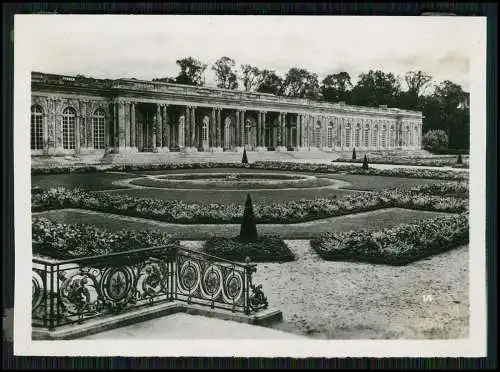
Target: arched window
[[227, 133], [348, 135], [392, 136], [375, 136], [329, 135], [366, 136], [415, 138], [317, 134], [407, 135], [204, 131], [384, 136], [248, 132], [357, 136], [36, 128], [98, 127], [68, 127]]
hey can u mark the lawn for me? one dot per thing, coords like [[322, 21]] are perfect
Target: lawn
[[103, 181], [88, 181], [375, 220]]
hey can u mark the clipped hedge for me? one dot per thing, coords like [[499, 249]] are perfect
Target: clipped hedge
[[400, 245], [295, 211], [265, 249], [62, 241], [267, 165]]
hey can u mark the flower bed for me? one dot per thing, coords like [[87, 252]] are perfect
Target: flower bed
[[268, 165], [265, 249], [396, 246], [63, 241], [428, 162], [176, 211]]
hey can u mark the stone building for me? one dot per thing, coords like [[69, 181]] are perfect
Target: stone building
[[79, 115]]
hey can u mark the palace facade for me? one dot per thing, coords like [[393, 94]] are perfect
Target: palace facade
[[78, 115]]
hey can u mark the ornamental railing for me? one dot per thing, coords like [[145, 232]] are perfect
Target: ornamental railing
[[73, 291]]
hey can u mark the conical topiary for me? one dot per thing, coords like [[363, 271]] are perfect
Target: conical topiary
[[365, 163], [354, 153], [459, 159], [244, 159], [248, 231]]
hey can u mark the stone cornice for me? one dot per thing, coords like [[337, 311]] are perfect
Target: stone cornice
[[163, 93]]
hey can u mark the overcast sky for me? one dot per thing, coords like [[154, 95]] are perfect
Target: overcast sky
[[146, 47]]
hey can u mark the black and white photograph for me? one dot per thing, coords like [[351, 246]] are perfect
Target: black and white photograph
[[293, 186]]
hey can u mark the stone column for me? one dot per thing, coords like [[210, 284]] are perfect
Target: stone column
[[242, 128], [159, 130], [187, 127], [263, 130], [133, 129], [259, 128], [193, 128], [45, 128], [121, 125], [166, 129], [219, 128], [126, 124], [237, 129]]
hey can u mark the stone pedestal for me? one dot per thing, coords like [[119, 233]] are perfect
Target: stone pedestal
[[261, 149], [281, 149], [301, 149], [127, 150], [189, 149]]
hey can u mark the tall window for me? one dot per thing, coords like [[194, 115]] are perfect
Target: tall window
[[317, 135], [366, 135], [375, 136], [348, 135], [204, 131], [68, 123], [384, 136], [407, 135], [227, 133], [36, 128], [415, 136], [338, 136], [357, 136], [98, 127], [392, 136], [329, 135]]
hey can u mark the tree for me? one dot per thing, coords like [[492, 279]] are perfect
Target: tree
[[354, 154], [269, 82], [435, 139], [336, 87], [191, 73], [251, 77], [244, 159], [301, 83], [365, 163], [225, 74], [453, 113], [376, 88], [416, 82], [248, 231]]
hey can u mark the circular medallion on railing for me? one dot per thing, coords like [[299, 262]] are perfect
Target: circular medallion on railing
[[189, 277], [233, 287], [37, 291], [212, 282], [152, 281], [117, 284]]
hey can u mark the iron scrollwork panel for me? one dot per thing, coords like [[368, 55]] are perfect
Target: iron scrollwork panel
[[217, 284], [93, 290]]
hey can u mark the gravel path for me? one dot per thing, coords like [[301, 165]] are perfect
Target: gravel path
[[345, 300]]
